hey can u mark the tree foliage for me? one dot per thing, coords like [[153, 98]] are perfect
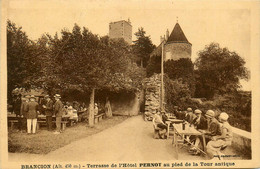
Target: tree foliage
[[20, 63], [142, 47], [176, 92], [77, 60], [183, 70], [154, 65], [218, 71]]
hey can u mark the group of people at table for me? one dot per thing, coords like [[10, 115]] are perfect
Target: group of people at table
[[217, 133], [27, 110]]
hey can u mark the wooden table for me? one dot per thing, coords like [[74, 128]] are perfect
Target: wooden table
[[171, 121], [187, 132]]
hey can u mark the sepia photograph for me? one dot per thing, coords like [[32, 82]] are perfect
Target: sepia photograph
[[129, 84]]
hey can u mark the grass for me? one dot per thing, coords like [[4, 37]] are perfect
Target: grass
[[45, 141]]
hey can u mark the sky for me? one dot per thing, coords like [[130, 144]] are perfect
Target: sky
[[226, 22]]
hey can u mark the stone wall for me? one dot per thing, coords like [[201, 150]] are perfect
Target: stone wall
[[152, 87], [176, 51], [121, 29], [242, 142]]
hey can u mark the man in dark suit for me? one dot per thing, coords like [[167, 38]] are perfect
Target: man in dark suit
[[16, 108], [33, 109], [24, 111], [58, 107], [48, 107]]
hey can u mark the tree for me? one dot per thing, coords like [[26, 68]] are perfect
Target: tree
[[142, 47], [154, 65], [21, 63], [87, 62], [183, 70], [218, 71], [79, 61], [177, 93]]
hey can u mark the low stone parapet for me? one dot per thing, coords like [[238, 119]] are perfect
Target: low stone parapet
[[242, 142]]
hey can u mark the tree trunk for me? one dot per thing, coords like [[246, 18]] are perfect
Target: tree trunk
[[91, 109]]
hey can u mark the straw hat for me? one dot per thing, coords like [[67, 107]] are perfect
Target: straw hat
[[197, 111], [210, 113], [189, 109]]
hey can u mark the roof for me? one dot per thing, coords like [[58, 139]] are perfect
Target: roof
[[157, 51], [177, 35]]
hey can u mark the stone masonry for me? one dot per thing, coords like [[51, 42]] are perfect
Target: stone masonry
[[175, 51], [152, 87]]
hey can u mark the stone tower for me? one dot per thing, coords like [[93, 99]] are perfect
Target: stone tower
[[177, 45], [121, 29]]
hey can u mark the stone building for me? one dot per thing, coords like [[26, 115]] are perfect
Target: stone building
[[121, 29], [176, 45]]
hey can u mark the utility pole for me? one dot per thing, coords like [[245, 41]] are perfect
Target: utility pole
[[162, 72]]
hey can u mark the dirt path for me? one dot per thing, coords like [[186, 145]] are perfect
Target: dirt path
[[131, 140]]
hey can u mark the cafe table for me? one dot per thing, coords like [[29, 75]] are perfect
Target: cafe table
[[188, 131], [169, 122]]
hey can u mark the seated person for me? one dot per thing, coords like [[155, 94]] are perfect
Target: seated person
[[72, 113], [220, 141], [164, 116], [212, 130], [175, 110], [189, 116], [213, 127], [200, 123], [158, 122]]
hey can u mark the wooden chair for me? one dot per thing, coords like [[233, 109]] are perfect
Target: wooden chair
[[157, 130]]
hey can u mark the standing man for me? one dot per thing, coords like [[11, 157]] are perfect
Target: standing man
[[16, 108], [33, 110], [58, 107], [48, 112], [96, 109], [24, 111]]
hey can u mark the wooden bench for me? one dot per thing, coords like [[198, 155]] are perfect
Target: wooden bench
[[99, 117], [12, 123], [38, 124], [63, 124]]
